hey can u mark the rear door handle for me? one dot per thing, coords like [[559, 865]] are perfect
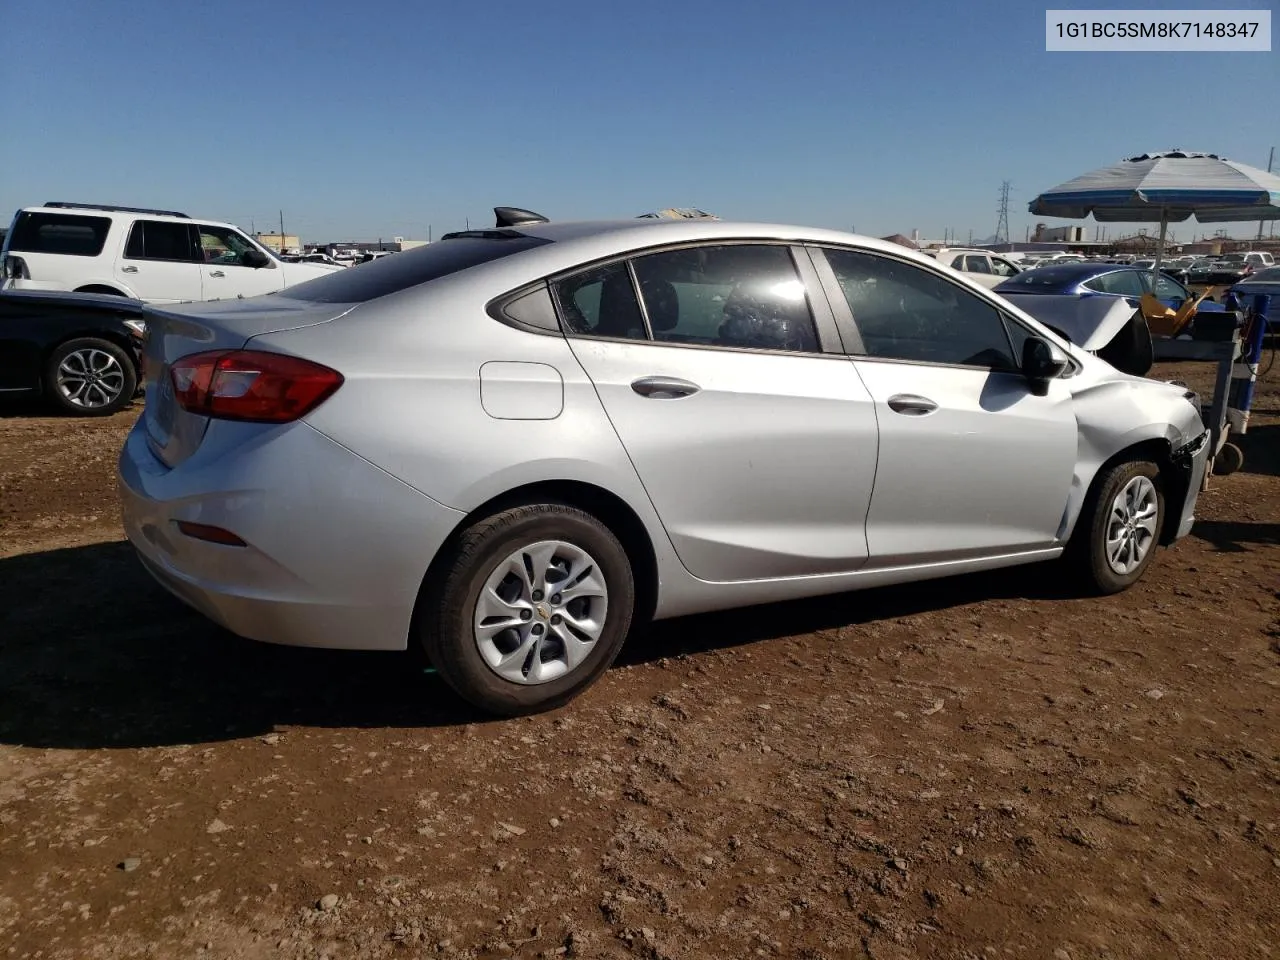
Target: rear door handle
[[216, 273], [911, 405], [664, 388], [129, 269]]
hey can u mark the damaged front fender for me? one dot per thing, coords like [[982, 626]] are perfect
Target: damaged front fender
[[1124, 417]]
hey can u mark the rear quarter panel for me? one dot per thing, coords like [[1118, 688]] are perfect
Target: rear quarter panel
[[411, 402]]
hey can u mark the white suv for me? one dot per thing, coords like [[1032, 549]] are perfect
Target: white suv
[[154, 255], [981, 266]]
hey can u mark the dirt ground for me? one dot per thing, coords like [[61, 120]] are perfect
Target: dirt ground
[[972, 768]]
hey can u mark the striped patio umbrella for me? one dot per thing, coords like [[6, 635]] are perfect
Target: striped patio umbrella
[[1166, 187]]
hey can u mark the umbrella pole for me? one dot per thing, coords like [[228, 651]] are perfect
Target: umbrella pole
[[1155, 267]]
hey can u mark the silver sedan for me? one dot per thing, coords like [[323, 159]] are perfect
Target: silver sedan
[[512, 445]]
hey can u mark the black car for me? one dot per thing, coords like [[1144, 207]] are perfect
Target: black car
[[82, 351]]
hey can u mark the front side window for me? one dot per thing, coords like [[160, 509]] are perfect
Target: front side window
[[223, 247], [160, 240], [905, 312], [1169, 289], [739, 295], [976, 263], [1003, 268], [68, 234]]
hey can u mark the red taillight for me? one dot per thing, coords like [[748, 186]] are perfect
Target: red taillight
[[251, 385]]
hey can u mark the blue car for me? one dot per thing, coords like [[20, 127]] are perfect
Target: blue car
[[1265, 281], [1102, 279]]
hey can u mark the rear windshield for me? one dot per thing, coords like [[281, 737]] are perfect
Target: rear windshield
[[400, 271], [59, 233], [1269, 275]]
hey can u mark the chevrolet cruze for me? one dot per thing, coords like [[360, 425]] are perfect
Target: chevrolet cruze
[[513, 444]]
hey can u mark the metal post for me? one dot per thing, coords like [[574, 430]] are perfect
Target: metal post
[[1155, 267], [1270, 160], [1245, 376]]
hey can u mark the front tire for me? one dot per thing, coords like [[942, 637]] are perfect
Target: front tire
[[90, 377], [1117, 534], [531, 607]]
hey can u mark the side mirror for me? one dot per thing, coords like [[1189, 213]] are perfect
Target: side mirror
[[254, 258], [1040, 364]]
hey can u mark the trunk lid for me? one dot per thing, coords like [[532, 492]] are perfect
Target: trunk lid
[[177, 331]]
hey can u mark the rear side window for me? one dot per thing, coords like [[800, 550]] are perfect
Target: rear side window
[[159, 240], [63, 233], [388, 275], [601, 302], [742, 295]]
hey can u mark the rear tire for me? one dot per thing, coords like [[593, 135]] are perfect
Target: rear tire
[[1116, 536], [90, 377], [532, 605]]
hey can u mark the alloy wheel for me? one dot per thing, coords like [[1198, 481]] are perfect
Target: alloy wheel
[[90, 378], [541, 612], [1131, 526]]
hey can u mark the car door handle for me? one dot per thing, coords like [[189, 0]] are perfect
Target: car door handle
[[910, 405], [216, 273], [664, 388], [128, 269]]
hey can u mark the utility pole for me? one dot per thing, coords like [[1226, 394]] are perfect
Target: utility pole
[[1262, 223], [282, 233], [1002, 225], [971, 236]]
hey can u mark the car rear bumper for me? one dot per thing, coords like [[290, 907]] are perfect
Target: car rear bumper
[[334, 552]]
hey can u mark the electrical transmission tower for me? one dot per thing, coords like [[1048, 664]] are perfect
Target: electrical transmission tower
[[1002, 228]]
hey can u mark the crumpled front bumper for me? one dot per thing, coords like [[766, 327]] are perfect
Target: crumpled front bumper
[[1190, 461]]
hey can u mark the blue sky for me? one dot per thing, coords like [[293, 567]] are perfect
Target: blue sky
[[385, 118]]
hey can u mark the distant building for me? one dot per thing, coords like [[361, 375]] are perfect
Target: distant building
[[277, 243], [1045, 234]]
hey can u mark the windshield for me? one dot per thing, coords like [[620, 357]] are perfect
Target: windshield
[[1269, 275]]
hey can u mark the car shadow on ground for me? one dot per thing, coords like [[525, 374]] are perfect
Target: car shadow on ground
[[1261, 446], [1234, 537], [94, 654]]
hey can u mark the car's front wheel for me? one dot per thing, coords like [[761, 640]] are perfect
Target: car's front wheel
[[530, 608], [90, 377], [1117, 534]]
